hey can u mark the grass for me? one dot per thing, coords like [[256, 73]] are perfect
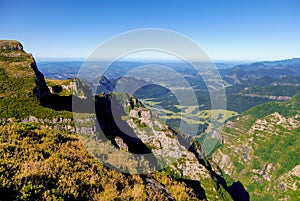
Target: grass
[[17, 86], [51, 82], [59, 87], [276, 145], [42, 164], [190, 114]]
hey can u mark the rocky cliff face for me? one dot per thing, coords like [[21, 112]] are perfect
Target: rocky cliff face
[[41, 89], [261, 149], [131, 127], [17, 63], [10, 45]]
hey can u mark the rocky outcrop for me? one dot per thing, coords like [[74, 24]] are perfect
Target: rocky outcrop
[[153, 185], [260, 150], [165, 144], [24, 66], [116, 114], [279, 98], [143, 114], [10, 45]]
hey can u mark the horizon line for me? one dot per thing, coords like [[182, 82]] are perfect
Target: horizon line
[[82, 59]]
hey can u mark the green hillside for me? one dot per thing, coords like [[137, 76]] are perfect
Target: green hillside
[[44, 164], [262, 148], [21, 84]]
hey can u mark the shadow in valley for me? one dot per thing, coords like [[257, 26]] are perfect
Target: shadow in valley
[[196, 186], [109, 114], [236, 190], [58, 103]]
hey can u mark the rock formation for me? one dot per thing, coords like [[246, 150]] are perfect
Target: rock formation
[[10, 45], [12, 51]]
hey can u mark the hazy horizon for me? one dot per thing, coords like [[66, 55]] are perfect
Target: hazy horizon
[[74, 59]]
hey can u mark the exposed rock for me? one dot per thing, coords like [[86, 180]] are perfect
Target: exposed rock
[[119, 141], [152, 136], [165, 144], [279, 98], [269, 123], [157, 187], [296, 171], [191, 168], [70, 87], [267, 171], [143, 114], [10, 45], [224, 162]]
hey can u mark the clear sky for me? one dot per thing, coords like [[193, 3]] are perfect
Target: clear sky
[[224, 29]]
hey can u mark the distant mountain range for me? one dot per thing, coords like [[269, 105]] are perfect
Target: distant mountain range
[[271, 75], [287, 63]]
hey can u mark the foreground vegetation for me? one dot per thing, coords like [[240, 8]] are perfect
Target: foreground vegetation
[[18, 95], [38, 163]]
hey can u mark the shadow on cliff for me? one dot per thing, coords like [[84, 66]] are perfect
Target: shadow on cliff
[[58, 103], [109, 116], [236, 190]]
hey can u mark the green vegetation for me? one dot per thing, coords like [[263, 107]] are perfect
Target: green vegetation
[[188, 115], [60, 87], [272, 90], [17, 88], [38, 162], [287, 109], [44, 164], [263, 145], [239, 103], [41, 163]]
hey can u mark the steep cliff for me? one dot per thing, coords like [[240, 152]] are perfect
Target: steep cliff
[[23, 87], [261, 150], [19, 64]]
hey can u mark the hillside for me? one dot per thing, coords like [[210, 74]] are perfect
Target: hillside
[[261, 150], [22, 85], [43, 156], [260, 82]]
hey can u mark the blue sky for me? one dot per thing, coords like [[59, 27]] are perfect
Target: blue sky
[[225, 30]]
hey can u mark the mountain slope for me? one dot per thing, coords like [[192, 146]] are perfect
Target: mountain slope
[[41, 157], [260, 82], [261, 150], [287, 63], [22, 85]]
